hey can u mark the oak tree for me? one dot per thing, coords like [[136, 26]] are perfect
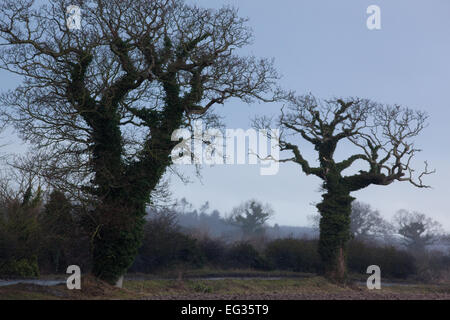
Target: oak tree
[[384, 151], [102, 102]]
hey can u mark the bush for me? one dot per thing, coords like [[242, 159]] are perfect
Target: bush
[[20, 268], [20, 236], [214, 251], [302, 256], [392, 262], [244, 255], [165, 247], [433, 266], [187, 251], [66, 239], [293, 254]]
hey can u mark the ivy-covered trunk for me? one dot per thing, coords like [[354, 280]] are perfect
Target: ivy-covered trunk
[[117, 239], [120, 216], [120, 224], [335, 210], [124, 188]]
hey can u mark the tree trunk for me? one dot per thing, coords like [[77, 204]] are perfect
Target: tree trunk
[[117, 240], [120, 217], [335, 210], [119, 283], [125, 188]]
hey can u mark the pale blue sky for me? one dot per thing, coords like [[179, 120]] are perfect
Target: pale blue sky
[[324, 47]]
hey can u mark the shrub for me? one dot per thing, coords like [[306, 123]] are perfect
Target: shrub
[[244, 255], [165, 247], [20, 268], [293, 254], [202, 288], [20, 236], [301, 256], [58, 229], [433, 266], [392, 262], [214, 251]]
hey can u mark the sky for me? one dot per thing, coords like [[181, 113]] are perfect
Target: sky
[[324, 47]]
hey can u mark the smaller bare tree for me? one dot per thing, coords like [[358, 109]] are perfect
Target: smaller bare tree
[[417, 230], [368, 224], [383, 139], [251, 217]]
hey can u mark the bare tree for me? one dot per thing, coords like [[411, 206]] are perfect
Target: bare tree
[[417, 230], [251, 217], [368, 224], [102, 102], [365, 223], [19, 175], [383, 135]]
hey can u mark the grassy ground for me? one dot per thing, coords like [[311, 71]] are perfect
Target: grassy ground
[[217, 273], [307, 287]]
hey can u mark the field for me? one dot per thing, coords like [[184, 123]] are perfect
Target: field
[[295, 287]]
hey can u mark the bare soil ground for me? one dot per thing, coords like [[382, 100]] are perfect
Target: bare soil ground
[[311, 288]]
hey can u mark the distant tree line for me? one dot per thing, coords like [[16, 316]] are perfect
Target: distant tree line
[[411, 230], [43, 233], [167, 246]]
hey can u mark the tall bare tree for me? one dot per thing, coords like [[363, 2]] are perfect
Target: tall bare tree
[[102, 102], [383, 135]]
